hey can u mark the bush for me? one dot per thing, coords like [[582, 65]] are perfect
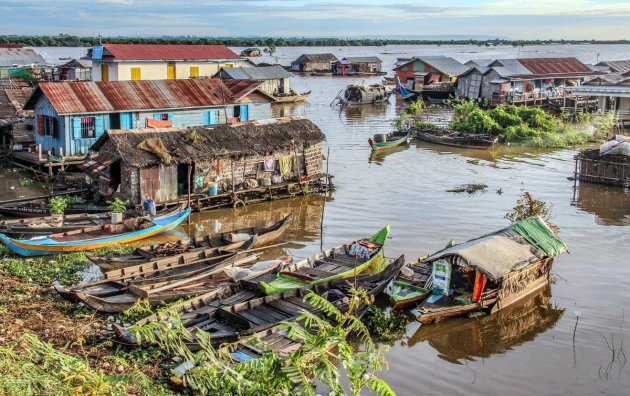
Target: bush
[[424, 125], [477, 121], [57, 205]]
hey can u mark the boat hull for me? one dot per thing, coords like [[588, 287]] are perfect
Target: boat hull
[[391, 144], [478, 144], [47, 245]]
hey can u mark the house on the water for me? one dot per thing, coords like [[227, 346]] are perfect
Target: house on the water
[[617, 66], [17, 62], [74, 70], [612, 92], [275, 78], [522, 81], [16, 124], [314, 63], [123, 62], [358, 66], [266, 159], [435, 74], [71, 116]]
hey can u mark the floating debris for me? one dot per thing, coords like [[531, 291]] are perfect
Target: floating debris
[[471, 188]]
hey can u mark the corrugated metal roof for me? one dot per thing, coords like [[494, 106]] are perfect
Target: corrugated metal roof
[[327, 57], [362, 59], [256, 73], [618, 66], [20, 57], [123, 52], [479, 62], [509, 67], [622, 91], [80, 97], [444, 64], [555, 66]]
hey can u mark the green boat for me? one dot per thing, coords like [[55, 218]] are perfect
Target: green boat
[[363, 255], [404, 294], [385, 142]]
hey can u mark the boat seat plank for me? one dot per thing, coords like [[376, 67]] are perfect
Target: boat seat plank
[[272, 312], [284, 306], [250, 317], [262, 315], [328, 267], [301, 303], [315, 273]]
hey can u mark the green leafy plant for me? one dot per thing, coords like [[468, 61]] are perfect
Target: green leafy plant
[[527, 206], [415, 108], [57, 205], [424, 125], [118, 205], [385, 327], [25, 182], [43, 271]]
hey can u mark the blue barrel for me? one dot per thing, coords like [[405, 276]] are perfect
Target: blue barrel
[[213, 190], [149, 206]]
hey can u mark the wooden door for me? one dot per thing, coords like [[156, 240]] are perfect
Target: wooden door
[[149, 183], [475, 86], [104, 72], [159, 183]]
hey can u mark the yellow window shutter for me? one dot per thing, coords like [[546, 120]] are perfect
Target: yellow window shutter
[[194, 71], [104, 72], [170, 72], [135, 73]]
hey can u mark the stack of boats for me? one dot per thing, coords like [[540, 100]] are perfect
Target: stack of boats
[[230, 294]]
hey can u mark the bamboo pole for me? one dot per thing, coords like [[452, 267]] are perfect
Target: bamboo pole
[[189, 183]]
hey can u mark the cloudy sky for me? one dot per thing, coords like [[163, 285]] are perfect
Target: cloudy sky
[[519, 19]]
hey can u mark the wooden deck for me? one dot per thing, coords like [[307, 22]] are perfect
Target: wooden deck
[[41, 166]]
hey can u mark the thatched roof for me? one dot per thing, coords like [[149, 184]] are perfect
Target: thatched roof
[[210, 142]]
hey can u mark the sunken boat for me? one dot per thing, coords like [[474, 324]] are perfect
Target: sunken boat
[[452, 138]]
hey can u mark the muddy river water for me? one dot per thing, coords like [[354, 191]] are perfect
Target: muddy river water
[[527, 349]]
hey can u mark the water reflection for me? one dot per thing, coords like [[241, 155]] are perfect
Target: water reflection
[[514, 325], [379, 156], [305, 227], [609, 204], [499, 151], [359, 113]]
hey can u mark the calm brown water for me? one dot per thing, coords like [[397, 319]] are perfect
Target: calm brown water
[[527, 349]]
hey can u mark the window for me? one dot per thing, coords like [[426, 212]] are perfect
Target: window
[[171, 72], [104, 72], [88, 127], [47, 126], [163, 117], [135, 73], [229, 65], [194, 71]]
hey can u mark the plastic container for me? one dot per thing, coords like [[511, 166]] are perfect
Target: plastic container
[[380, 138], [213, 189], [149, 207]]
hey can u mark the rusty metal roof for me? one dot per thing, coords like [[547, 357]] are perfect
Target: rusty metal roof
[[556, 66], [20, 57], [80, 97], [126, 52]]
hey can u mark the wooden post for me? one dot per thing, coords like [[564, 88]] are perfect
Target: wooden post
[[60, 151], [327, 174], [189, 184], [39, 152]]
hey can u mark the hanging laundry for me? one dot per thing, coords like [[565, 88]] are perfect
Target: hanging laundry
[[285, 164], [269, 164]]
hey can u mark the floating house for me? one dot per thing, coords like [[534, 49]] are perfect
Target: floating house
[[123, 62], [610, 164], [74, 70], [618, 66], [16, 124], [274, 157], [275, 78], [358, 65], [251, 52], [314, 63], [522, 81], [15, 62], [432, 76], [612, 92], [71, 116]]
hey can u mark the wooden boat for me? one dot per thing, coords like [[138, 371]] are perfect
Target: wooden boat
[[456, 139], [39, 209], [157, 290], [236, 316], [389, 141], [96, 237], [363, 94], [490, 272], [339, 262], [413, 285], [48, 225], [291, 98], [264, 236], [165, 268]]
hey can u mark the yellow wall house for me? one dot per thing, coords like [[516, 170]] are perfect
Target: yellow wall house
[[122, 62]]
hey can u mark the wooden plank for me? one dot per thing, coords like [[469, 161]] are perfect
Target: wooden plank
[[315, 273], [250, 317], [328, 267], [301, 303], [284, 306], [273, 313]]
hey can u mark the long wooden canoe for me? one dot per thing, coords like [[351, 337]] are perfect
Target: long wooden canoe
[[264, 236], [159, 291], [393, 140], [456, 139], [34, 226], [38, 209], [336, 263], [96, 237], [227, 320]]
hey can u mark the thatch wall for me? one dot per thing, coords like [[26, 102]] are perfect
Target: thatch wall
[[607, 169]]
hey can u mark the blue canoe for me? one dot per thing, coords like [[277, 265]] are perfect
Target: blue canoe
[[96, 237]]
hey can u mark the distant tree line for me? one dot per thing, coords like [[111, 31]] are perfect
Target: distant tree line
[[64, 40]]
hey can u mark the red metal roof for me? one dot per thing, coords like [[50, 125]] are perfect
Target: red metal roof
[[166, 52], [79, 97], [556, 66]]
